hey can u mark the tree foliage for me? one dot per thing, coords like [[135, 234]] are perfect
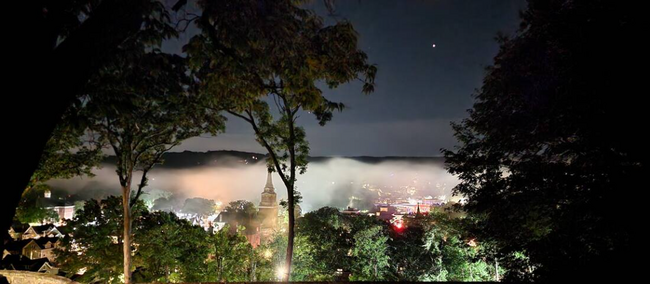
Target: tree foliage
[[199, 206], [371, 254], [94, 242], [550, 151], [67, 153], [31, 210], [251, 52], [167, 248], [142, 104], [232, 258], [170, 249]]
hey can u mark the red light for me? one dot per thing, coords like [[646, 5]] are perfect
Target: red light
[[398, 225]]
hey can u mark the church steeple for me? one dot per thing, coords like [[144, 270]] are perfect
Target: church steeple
[[269, 197], [268, 208], [269, 183]]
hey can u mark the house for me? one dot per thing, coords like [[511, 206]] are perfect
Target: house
[[35, 232], [47, 245], [21, 262], [30, 233], [17, 229], [64, 211], [63, 207], [32, 248], [17, 248]]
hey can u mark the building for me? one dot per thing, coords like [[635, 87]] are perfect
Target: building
[[383, 211], [17, 229], [62, 206], [21, 262], [35, 232], [268, 209], [32, 248], [351, 211], [64, 211]]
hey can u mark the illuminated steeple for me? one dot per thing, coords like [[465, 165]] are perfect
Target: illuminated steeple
[[269, 197], [269, 183], [268, 208]]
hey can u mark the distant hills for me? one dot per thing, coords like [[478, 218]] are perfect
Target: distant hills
[[225, 158]]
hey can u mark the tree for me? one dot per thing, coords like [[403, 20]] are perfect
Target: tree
[[251, 50], [94, 242], [455, 253], [329, 243], [324, 241], [66, 154], [167, 203], [272, 256], [232, 257], [409, 258], [371, 251], [142, 105], [30, 209], [199, 206], [242, 208], [168, 248], [551, 151], [244, 213], [63, 44]]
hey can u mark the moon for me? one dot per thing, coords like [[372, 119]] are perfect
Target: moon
[[434, 45]]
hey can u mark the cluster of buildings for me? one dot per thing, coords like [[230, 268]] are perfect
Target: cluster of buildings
[[410, 206], [394, 210], [31, 248]]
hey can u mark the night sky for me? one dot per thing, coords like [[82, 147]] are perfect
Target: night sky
[[420, 89]]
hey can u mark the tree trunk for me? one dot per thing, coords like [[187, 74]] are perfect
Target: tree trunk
[[126, 242], [376, 272], [253, 278], [287, 261], [220, 269]]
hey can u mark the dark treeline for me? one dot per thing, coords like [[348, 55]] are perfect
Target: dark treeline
[[552, 157]]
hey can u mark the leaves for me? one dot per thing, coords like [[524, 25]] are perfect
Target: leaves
[[541, 155]]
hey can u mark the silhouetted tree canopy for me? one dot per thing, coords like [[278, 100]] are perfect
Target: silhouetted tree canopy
[[552, 151], [61, 44]]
